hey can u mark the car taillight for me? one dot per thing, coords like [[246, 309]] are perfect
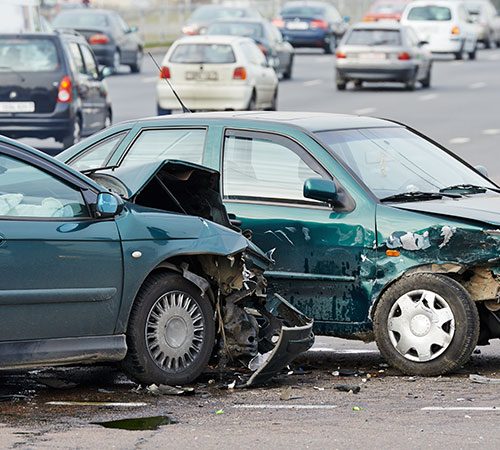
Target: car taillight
[[280, 23], [404, 56], [369, 19], [262, 48], [190, 30], [98, 39], [165, 72], [240, 73], [455, 30], [340, 55], [65, 94], [322, 24]]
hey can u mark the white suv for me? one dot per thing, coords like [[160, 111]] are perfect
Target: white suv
[[446, 26]]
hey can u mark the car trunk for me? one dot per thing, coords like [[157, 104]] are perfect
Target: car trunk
[[426, 29], [202, 73]]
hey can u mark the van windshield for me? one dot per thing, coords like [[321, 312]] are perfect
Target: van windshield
[[28, 55], [436, 13]]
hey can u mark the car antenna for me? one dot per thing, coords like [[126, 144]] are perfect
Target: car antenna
[[185, 109]]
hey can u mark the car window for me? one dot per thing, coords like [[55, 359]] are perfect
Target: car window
[[81, 19], [275, 32], [152, 145], [121, 23], [28, 55], [374, 37], [26, 191], [261, 168], [431, 12], [303, 11], [246, 29], [203, 53], [97, 155], [333, 14], [76, 57], [413, 39], [90, 62], [252, 52], [210, 13]]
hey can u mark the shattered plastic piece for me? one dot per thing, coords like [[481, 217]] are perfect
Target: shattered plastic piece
[[319, 388], [347, 388], [336, 373], [258, 361], [56, 383], [286, 394], [13, 397], [446, 232], [231, 385], [219, 412], [356, 408], [108, 404], [483, 380]]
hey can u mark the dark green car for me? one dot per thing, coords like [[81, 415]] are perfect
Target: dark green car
[[156, 279], [377, 231]]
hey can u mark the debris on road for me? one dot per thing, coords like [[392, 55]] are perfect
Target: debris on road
[[56, 383], [107, 404], [286, 394], [137, 423], [356, 408], [483, 380], [353, 389], [219, 412], [164, 389]]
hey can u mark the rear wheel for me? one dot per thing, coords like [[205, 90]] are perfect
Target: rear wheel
[[426, 324], [75, 134], [340, 82], [288, 73], [274, 104], [411, 82], [107, 120], [358, 84], [171, 332], [252, 104], [162, 112], [426, 82], [136, 67]]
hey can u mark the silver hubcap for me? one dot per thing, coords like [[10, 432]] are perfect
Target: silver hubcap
[[421, 325], [174, 331]]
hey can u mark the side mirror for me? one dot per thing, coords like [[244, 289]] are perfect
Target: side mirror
[[133, 30], [482, 170], [320, 189], [347, 19], [108, 205], [422, 43], [106, 72]]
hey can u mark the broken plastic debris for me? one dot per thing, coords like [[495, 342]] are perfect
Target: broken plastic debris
[[56, 383], [286, 394], [12, 397], [336, 373], [356, 408], [319, 388], [108, 404], [483, 380], [219, 412], [347, 388], [257, 361], [164, 389], [231, 385]]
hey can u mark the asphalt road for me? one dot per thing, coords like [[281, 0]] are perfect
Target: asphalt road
[[461, 111]]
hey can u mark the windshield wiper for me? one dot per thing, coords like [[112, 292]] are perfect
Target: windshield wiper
[[472, 188], [417, 196], [13, 71]]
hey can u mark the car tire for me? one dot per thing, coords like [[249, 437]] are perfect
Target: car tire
[[274, 104], [472, 54], [108, 120], [75, 135], [439, 320], [288, 73], [162, 112], [341, 85], [358, 84], [460, 54], [426, 82], [331, 45], [116, 61], [252, 104], [136, 67], [171, 332]]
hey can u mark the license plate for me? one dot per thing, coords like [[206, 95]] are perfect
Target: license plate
[[372, 56], [204, 75], [17, 107], [297, 25]]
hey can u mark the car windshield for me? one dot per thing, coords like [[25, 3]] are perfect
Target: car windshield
[[28, 55], [393, 161], [435, 13], [303, 11], [374, 37], [251, 30], [209, 13], [203, 53], [78, 19]]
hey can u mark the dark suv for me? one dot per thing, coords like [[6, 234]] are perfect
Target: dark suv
[[51, 86]]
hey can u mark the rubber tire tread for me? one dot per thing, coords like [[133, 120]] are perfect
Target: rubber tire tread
[[466, 324], [138, 363]]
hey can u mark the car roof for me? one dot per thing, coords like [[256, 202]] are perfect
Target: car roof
[[87, 10], [210, 39], [240, 20], [60, 32], [377, 26], [306, 3], [434, 2], [310, 121]]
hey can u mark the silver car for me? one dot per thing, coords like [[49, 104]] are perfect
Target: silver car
[[383, 52]]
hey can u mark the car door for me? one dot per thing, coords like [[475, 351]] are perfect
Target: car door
[[61, 268], [318, 251], [264, 75]]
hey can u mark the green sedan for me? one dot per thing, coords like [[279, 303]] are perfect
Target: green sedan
[[377, 232]]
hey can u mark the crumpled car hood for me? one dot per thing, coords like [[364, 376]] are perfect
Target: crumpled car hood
[[480, 207]]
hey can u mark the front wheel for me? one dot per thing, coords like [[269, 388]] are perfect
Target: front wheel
[[426, 324], [137, 66], [426, 82], [472, 54], [171, 332], [75, 134]]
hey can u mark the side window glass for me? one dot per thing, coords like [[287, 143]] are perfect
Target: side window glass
[[151, 145], [97, 155], [122, 24], [90, 63], [264, 169], [26, 191], [76, 57]]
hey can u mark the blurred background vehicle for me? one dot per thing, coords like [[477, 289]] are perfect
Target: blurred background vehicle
[[268, 38], [445, 24], [383, 52], [385, 10], [51, 86], [206, 14], [311, 24], [22, 16], [485, 16], [216, 73], [113, 41]]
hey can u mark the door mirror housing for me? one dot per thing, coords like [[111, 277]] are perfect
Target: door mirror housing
[[133, 30], [106, 72], [108, 205], [422, 43], [321, 189], [347, 19]]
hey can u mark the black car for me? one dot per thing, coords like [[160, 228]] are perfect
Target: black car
[[51, 86], [279, 53], [114, 42], [311, 24]]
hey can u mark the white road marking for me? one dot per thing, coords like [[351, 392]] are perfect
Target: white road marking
[[364, 111], [427, 97], [491, 131], [459, 140], [456, 63], [478, 85], [312, 82], [267, 406], [461, 408], [344, 352], [148, 79], [109, 404]]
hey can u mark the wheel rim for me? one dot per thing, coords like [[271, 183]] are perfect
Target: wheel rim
[[421, 325], [175, 330]]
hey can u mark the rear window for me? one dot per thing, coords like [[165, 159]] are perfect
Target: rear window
[[251, 30], [374, 37], [436, 13], [203, 53], [303, 11], [78, 19], [28, 55]]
